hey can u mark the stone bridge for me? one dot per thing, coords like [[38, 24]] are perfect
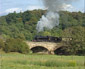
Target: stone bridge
[[48, 47]]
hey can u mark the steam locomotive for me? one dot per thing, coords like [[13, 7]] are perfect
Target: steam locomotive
[[47, 39]]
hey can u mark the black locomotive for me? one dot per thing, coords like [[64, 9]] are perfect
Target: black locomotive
[[47, 39]]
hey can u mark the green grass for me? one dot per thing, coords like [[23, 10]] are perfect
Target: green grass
[[34, 61]]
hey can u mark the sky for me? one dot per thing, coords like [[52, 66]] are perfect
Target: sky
[[9, 6]]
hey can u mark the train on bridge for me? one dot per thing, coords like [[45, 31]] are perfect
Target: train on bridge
[[47, 39]]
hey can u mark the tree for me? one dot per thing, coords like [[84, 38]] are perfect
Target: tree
[[26, 16], [78, 41], [1, 43], [11, 18], [46, 33], [16, 45], [77, 44]]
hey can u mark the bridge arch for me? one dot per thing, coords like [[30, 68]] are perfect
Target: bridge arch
[[39, 49], [61, 51]]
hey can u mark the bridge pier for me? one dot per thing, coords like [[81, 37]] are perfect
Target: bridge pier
[[51, 52]]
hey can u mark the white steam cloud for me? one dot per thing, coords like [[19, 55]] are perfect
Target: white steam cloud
[[51, 19]]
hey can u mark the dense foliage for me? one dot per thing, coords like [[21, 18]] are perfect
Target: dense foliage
[[1, 43], [16, 45], [77, 45], [23, 26]]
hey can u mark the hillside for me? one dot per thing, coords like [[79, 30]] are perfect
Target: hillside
[[23, 26]]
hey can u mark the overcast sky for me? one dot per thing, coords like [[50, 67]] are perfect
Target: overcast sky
[[7, 6]]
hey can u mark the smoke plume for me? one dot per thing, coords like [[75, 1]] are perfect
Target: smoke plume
[[51, 19]]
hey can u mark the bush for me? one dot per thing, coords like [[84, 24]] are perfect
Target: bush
[[1, 43], [16, 45]]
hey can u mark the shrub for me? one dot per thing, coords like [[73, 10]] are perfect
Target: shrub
[[16, 45], [1, 43]]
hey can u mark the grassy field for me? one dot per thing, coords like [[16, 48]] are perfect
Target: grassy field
[[34, 61]]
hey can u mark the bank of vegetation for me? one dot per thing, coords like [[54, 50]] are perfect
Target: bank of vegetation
[[14, 45]]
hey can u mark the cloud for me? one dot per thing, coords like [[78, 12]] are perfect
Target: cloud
[[71, 8], [11, 10], [68, 7], [34, 7], [1, 13]]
